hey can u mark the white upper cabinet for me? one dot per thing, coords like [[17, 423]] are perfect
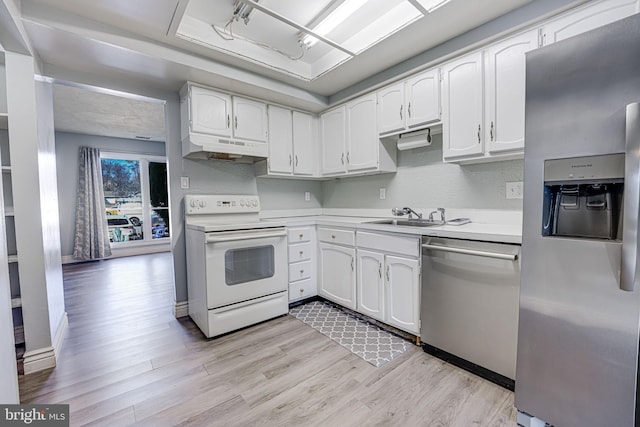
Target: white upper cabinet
[[333, 124], [462, 106], [587, 18], [409, 105], [362, 139], [249, 119], [505, 92], [303, 144], [391, 109], [423, 99], [280, 140], [210, 112], [220, 114]]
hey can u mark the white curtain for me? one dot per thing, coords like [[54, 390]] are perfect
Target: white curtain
[[92, 232]]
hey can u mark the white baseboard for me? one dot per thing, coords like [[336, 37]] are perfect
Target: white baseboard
[[39, 360], [122, 252], [181, 309], [61, 333]]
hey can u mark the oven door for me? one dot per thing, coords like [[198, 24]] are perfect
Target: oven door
[[246, 264]]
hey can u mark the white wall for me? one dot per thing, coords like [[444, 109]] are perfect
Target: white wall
[[423, 180], [49, 207], [67, 159]]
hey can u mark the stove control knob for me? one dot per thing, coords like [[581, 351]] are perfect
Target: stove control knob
[[242, 203], [194, 203], [254, 203], [202, 203]]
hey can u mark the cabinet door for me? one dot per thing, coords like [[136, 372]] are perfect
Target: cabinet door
[[588, 18], [462, 105], [337, 274], [370, 282], [333, 141], [303, 144], [423, 98], [210, 112], [280, 140], [362, 139], [505, 92], [391, 112], [403, 293], [249, 119]]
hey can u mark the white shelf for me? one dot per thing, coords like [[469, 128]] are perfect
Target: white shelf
[[16, 302], [4, 121], [13, 258]]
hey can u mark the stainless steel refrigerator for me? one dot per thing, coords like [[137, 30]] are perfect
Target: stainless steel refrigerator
[[577, 360]]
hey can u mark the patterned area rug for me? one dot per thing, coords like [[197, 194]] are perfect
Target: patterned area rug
[[367, 341]]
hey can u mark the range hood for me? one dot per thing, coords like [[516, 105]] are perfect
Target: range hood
[[418, 138], [209, 147]]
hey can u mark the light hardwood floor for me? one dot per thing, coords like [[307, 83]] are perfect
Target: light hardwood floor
[[127, 361]]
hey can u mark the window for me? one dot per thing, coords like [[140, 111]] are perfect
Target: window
[[136, 197]]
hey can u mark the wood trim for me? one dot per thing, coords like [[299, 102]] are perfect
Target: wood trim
[[18, 334], [181, 309], [39, 360]]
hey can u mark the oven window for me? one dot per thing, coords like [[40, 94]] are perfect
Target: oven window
[[249, 264]]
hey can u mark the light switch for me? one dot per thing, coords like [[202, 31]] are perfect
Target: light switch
[[184, 182], [307, 196], [514, 190], [383, 193]]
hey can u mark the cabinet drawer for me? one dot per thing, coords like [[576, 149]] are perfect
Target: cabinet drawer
[[336, 235], [299, 234], [299, 271], [301, 289], [403, 245], [300, 252]]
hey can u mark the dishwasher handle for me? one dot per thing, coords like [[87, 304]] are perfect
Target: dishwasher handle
[[498, 255]]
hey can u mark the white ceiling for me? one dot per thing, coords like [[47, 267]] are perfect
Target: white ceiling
[[135, 40]]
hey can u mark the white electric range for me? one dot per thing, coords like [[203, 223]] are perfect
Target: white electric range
[[236, 264]]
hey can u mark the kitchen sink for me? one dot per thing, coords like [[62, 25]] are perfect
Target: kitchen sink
[[408, 222]]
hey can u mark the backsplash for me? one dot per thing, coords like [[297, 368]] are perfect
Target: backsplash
[[423, 179]]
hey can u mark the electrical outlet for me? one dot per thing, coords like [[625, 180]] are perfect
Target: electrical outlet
[[383, 193], [514, 190], [307, 196], [184, 182]]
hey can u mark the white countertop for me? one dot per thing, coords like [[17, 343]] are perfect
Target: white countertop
[[507, 230]]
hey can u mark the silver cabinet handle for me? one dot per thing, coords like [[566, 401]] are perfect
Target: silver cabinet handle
[[348, 160], [352, 263], [629, 259], [409, 109], [236, 122], [300, 236], [401, 112], [380, 269], [301, 290], [301, 272], [491, 131], [508, 257], [296, 160], [388, 275], [228, 121], [290, 160], [479, 130], [342, 158], [301, 253]]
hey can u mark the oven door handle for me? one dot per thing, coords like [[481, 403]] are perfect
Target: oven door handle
[[216, 238]]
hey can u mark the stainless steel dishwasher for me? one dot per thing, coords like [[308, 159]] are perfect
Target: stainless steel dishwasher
[[469, 310]]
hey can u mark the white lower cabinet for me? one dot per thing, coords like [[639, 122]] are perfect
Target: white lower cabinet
[[337, 266], [302, 274], [388, 279]]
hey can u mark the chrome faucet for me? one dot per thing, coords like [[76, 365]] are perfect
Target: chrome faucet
[[440, 211], [405, 211]]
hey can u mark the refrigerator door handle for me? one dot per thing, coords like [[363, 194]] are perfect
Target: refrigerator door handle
[[631, 202]]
